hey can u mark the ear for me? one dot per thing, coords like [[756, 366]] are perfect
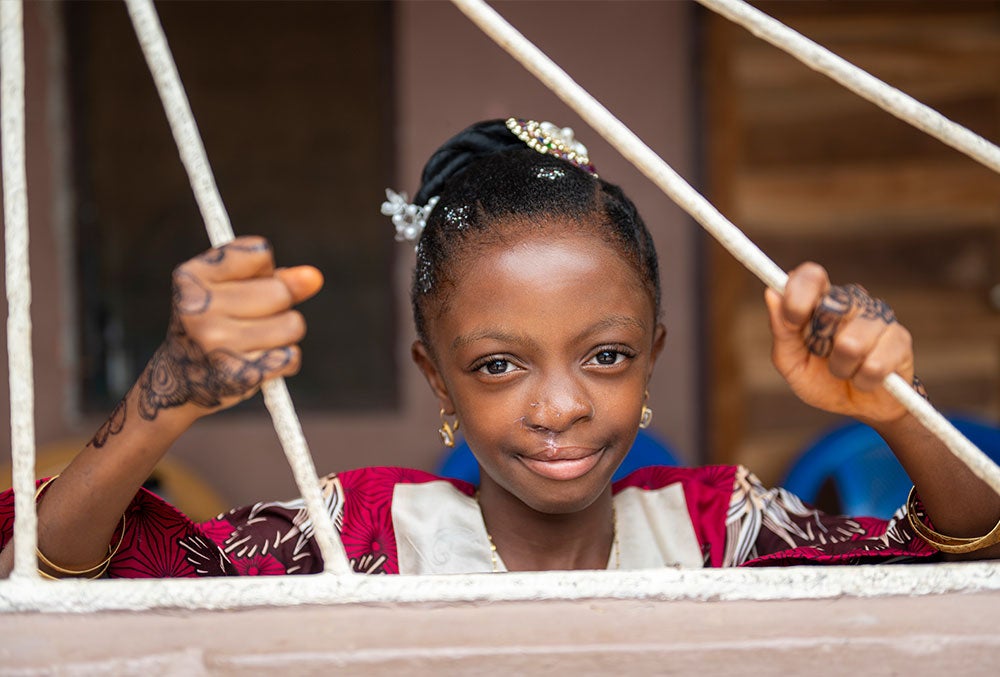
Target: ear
[[422, 357], [659, 339]]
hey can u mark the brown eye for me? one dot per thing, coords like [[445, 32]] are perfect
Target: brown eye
[[496, 367], [607, 357]]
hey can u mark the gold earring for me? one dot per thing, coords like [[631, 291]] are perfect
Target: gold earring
[[447, 431], [647, 414]]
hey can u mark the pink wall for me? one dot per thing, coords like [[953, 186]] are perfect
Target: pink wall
[[635, 57]]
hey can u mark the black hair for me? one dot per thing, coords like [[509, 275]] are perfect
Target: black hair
[[486, 174]]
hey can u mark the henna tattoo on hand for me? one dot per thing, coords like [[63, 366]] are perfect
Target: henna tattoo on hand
[[218, 254], [181, 372], [839, 302], [191, 296], [112, 426]]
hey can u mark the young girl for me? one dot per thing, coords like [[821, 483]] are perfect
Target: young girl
[[537, 303]]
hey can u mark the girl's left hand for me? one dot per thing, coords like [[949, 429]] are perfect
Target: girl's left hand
[[835, 346]]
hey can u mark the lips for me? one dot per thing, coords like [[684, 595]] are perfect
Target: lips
[[563, 463]]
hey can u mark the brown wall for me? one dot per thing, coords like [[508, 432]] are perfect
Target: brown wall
[[635, 57]]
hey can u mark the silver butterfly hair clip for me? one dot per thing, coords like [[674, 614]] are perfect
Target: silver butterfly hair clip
[[544, 137]]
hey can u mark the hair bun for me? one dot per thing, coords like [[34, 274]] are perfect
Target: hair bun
[[458, 152]]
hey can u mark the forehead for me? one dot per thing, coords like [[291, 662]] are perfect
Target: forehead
[[542, 280]]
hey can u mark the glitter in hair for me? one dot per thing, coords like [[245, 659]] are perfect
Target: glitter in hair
[[550, 173], [457, 216], [423, 278]]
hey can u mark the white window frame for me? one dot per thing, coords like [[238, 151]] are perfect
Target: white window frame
[[786, 583], [31, 594]]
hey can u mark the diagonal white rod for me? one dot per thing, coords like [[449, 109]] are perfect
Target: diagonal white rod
[[18, 281], [195, 159], [859, 81], [686, 197]]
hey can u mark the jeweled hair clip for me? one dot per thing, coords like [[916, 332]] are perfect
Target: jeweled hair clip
[[550, 139], [409, 219]]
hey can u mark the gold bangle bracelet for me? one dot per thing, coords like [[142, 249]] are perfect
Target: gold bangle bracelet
[[100, 572], [942, 542], [97, 570]]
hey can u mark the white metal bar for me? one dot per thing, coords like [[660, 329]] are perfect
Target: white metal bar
[[206, 192], [244, 592], [18, 281]]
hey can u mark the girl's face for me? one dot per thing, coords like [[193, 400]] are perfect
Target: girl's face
[[543, 350]]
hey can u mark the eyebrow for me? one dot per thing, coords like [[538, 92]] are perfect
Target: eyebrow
[[612, 322], [494, 334]]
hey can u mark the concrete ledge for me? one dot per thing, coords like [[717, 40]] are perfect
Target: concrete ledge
[[933, 634], [655, 584]]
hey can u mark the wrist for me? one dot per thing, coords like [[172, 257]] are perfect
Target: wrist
[[903, 425]]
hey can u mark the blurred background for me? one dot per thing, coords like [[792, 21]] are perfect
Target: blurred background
[[309, 110]]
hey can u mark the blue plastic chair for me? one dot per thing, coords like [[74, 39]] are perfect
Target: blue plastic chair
[[647, 450], [868, 479]]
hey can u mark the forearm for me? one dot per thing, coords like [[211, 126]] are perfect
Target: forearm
[[79, 512], [957, 502], [232, 327]]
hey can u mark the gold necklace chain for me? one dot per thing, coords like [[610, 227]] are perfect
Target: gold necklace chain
[[615, 546]]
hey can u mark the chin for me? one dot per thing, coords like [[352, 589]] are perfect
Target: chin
[[564, 498], [554, 506]]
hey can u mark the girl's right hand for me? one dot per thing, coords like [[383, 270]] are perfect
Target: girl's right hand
[[232, 327]]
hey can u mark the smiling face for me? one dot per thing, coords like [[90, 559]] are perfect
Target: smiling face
[[543, 350]]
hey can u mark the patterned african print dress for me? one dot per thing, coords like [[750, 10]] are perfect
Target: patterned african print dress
[[394, 520]]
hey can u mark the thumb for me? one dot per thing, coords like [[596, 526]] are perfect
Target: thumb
[[788, 337], [302, 281]]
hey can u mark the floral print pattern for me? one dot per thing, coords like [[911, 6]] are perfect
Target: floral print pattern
[[737, 521]]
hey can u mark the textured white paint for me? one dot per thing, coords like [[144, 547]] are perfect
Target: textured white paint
[[702, 211], [654, 584], [18, 280]]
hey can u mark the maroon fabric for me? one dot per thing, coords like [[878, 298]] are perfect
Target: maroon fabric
[[868, 540]]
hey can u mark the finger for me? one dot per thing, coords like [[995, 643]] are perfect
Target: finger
[[806, 285], [253, 298], [833, 308], [779, 327], [302, 281], [854, 340], [245, 257], [283, 329], [893, 352], [249, 299], [788, 347], [290, 364], [245, 335], [241, 374]]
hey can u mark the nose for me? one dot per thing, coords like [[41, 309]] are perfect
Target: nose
[[557, 405]]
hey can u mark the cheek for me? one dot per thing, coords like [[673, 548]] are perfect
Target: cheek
[[490, 416]]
